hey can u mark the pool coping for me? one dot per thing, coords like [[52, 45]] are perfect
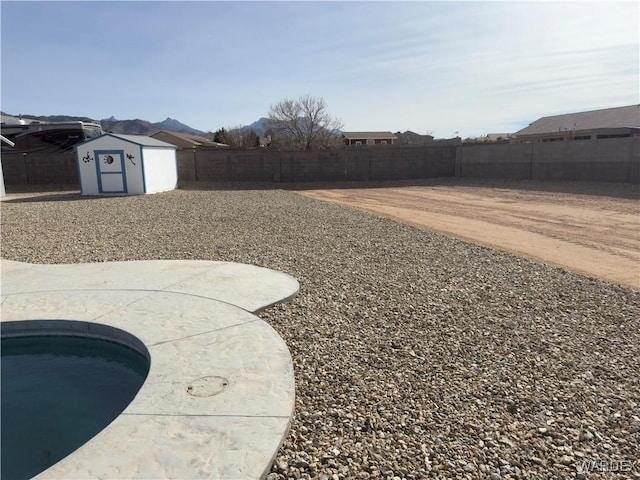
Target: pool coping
[[219, 398]]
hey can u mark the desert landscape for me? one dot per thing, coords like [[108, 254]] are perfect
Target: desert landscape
[[416, 354], [593, 229]]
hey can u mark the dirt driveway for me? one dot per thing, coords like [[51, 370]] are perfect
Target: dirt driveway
[[592, 229]]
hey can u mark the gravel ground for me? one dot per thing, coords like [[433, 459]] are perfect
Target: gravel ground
[[416, 355]]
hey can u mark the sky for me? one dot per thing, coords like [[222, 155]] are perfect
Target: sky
[[447, 68]]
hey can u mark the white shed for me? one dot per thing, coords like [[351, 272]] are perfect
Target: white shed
[[126, 165]]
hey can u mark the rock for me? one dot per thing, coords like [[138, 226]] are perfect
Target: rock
[[414, 353], [281, 465], [567, 460], [586, 436], [470, 467]]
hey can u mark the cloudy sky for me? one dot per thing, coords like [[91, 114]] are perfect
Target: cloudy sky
[[445, 68]]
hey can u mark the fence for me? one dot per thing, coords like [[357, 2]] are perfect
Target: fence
[[608, 160], [39, 168], [602, 160], [347, 164]]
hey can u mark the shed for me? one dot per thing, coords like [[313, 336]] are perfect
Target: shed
[[126, 165]]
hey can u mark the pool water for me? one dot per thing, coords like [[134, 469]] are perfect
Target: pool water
[[57, 393]]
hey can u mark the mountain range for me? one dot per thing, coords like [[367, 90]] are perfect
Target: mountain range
[[113, 125], [142, 127], [259, 126]]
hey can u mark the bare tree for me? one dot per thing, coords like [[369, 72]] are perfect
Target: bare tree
[[240, 137], [303, 123]]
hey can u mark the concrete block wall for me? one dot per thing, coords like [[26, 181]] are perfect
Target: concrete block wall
[[40, 169], [325, 166], [186, 165], [504, 161], [348, 164], [602, 160], [605, 160]]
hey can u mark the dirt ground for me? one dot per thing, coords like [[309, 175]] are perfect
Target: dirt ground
[[593, 229]]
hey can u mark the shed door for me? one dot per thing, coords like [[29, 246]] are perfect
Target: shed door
[[112, 177]]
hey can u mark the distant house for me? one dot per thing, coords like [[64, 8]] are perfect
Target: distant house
[[606, 123], [489, 138], [369, 138], [185, 140], [412, 138], [497, 137], [264, 141]]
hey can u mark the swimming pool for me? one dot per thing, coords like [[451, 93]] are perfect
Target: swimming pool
[[219, 396], [58, 392]]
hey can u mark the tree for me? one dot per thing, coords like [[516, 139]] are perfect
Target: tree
[[303, 123], [220, 136], [241, 137]]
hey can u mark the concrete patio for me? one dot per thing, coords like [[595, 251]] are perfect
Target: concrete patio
[[219, 397]]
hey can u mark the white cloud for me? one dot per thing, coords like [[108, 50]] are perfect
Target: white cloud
[[472, 67]]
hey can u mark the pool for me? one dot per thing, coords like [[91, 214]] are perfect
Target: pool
[[219, 396], [58, 392]]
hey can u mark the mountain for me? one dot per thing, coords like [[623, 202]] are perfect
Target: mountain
[[175, 126], [52, 118], [128, 127], [143, 127], [259, 126], [112, 124]]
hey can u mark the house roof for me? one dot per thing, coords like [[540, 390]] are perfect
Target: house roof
[[409, 138], [181, 139], [618, 117], [368, 135]]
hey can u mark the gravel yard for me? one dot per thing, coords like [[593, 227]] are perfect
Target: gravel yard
[[416, 355]]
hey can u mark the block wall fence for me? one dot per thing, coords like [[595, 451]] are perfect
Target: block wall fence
[[602, 160]]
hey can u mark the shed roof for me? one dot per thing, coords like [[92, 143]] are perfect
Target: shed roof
[[368, 135], [142, 140], [618, 117]]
